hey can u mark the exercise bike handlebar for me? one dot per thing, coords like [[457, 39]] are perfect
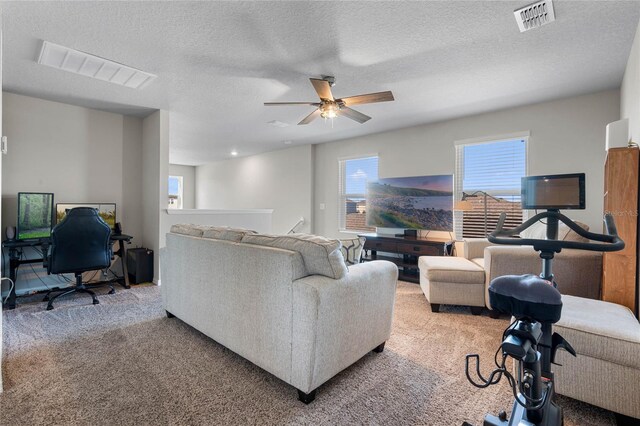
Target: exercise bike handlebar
[[604, 242]]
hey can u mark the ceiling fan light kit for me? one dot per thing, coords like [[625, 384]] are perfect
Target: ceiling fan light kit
[[330, 107]]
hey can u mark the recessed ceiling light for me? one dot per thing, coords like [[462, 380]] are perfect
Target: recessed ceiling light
[[234, 153], [287, 142], [276, 123], [77, 62]]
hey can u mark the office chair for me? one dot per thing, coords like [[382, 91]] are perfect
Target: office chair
[[79, 243]]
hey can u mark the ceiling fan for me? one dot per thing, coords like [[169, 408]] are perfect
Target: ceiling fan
[[330, 107]]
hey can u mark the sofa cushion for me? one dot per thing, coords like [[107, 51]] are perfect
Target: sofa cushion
[[226, 233], [321, 255], [479, 261], [352, 249], [600, 330], [451, 269], [187, 229], [213, 232]]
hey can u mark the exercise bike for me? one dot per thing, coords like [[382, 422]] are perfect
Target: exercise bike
[[536, 304]]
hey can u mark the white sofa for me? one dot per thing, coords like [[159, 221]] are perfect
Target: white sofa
[[262, 303]]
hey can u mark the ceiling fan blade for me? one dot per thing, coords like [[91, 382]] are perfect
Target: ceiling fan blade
[[309, 118], [322, 88], [368, 98], [353, 114], [291, 103]]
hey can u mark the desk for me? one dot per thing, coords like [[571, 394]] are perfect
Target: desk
[[16, 247], [405, 251]]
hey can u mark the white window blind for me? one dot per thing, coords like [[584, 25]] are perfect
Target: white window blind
[[494, 169], [354, 173]]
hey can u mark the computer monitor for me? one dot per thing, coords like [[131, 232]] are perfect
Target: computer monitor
[[35, 215], [107, 211], [553, 192]]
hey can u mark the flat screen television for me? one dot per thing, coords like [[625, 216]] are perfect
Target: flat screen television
[[421, 202], [553, 192], [35, 215], [107, 211]]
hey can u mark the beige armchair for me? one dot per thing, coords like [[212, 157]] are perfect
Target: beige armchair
[[577, 272]]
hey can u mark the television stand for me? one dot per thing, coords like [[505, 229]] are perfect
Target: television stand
[[404, 251]]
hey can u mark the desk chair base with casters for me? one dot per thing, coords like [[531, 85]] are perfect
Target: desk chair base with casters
[[79, 288], [79, 243]]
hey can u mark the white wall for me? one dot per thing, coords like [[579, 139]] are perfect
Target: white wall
[[132, 178], [155, 175], [258, 220], [74, 152], [630, 90], [188, 174], [279, 180], [567, 135], [79, 154]]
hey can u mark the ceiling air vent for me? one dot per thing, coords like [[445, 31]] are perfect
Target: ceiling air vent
[[77, 62], [534, 15]]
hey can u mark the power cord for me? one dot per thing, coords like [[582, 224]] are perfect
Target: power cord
[[63, 278], [539, 220], [37, 275], [10, 288]]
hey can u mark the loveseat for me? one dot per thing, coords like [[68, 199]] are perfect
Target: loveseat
[[577, 272], [297, 312]]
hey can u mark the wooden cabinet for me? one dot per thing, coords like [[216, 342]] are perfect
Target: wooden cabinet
[[404, 252], [620, 269]]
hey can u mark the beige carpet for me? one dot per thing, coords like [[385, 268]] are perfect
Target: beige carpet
[[123, 362]]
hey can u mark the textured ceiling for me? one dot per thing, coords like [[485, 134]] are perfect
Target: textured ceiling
[[217, 62]]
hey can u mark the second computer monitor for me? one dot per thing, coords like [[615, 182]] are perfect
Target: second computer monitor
[[107, 211]]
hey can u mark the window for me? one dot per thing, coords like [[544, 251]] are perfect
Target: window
[[175, 192], [493, 168], [354, 175]]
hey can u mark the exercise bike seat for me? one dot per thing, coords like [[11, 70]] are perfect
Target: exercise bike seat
[[526, 297]]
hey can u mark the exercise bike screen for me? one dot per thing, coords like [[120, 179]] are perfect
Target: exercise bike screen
[[553, 192]]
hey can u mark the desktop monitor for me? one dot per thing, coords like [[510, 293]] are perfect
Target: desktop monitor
[[35, 215], [107, 211], [553, 192]]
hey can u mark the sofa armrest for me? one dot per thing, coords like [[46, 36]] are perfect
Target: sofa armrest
[[474, 247], [577, 272], [336, 322]]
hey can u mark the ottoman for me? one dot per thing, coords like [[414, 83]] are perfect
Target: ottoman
[[452, 280], [606, 372]]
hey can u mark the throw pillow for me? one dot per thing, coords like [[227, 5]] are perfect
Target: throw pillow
[[352, 250], [321, 255], [538, 231], [573, 235]]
